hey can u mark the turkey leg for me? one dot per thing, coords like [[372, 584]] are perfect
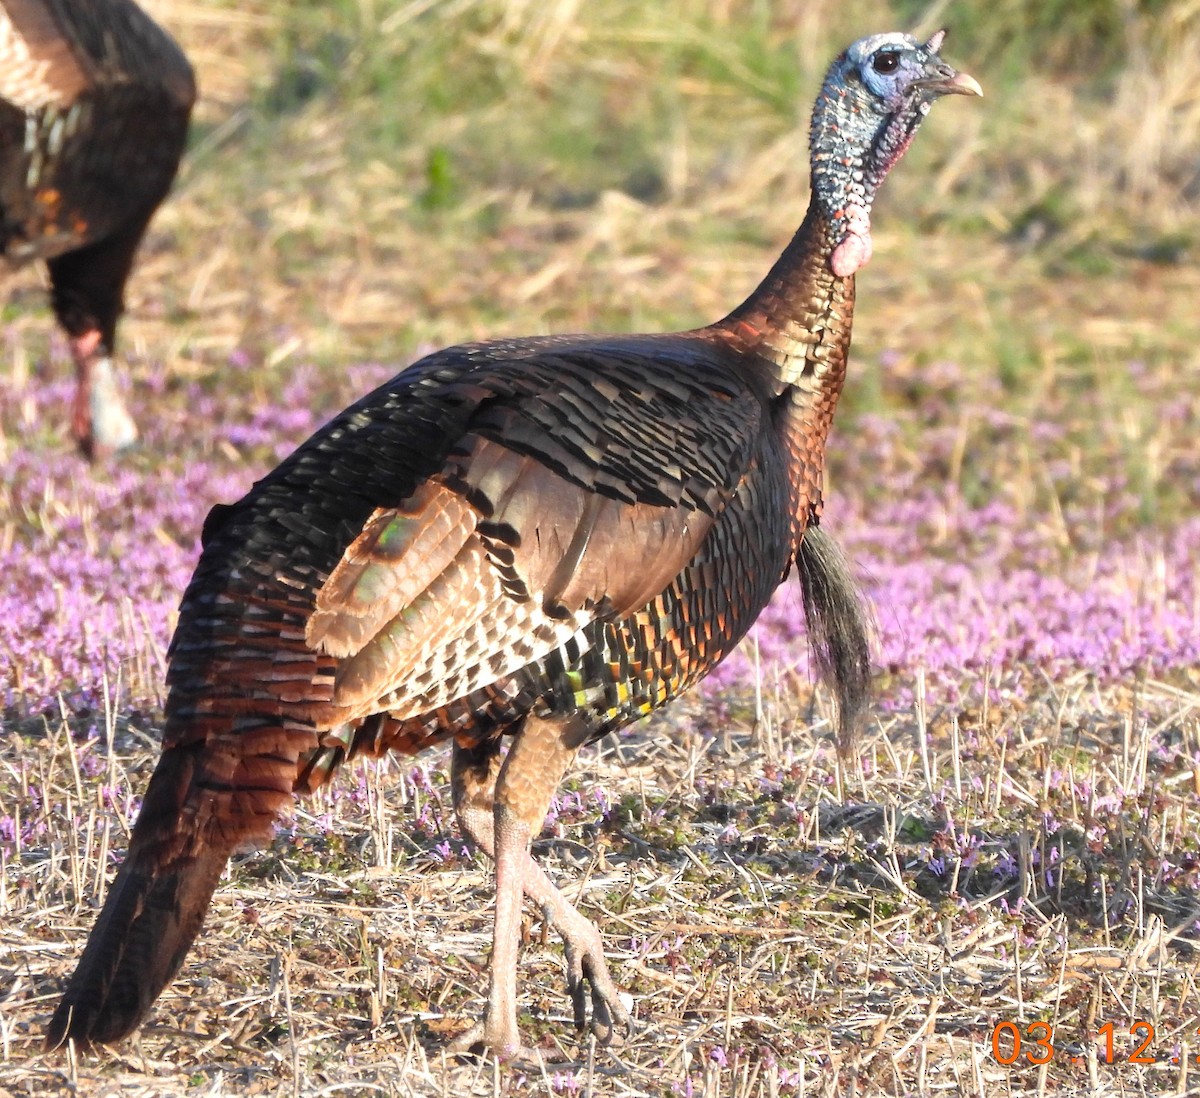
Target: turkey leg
[[99, 421], [501, 805]]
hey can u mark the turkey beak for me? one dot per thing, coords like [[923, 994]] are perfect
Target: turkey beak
[[941, 79]]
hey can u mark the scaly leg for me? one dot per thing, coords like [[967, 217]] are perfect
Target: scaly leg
[[99, 421], [500, 807]]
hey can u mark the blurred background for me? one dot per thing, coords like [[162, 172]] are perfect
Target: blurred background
[[371, 175], [374, 175]]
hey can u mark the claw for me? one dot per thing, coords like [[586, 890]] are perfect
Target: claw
[[611, 1021], [578, 1000], [588, 971]]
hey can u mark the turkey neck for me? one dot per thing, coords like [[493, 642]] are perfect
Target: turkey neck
[[795, 328], [797, 323]]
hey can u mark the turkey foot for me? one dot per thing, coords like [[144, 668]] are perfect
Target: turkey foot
[[587, 973], [487, 791], [587, 970], [586, 966]]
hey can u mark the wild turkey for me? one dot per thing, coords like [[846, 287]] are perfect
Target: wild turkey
[[531, 540], [94, 106]]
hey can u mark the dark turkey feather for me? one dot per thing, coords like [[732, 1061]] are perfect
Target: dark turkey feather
[[524, 544], [837, 627], [94, 105]]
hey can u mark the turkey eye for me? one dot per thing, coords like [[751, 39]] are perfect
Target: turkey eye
[[885, 62]]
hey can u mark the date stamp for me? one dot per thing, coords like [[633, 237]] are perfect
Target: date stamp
[[1033, 1043]]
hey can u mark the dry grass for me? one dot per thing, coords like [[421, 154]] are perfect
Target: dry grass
[[781, 922], [785, 926]]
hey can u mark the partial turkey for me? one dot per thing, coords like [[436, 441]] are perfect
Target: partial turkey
[[526, 543], [94, 105]]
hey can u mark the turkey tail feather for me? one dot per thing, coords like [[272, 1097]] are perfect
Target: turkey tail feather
[[149, 921], [155, 907], [838, 628]]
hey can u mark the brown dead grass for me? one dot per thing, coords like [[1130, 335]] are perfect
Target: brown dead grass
[[817, 956]]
